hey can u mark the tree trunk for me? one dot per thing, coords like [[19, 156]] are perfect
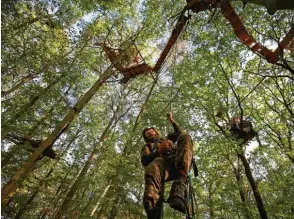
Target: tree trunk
[[115, 207], [100, 199], [210, 201], [238, 176], [254, 186], [22, 210], [9, 189], [27, 107], [73, 189], [99, 165], [128, 143], [59, 192], [127, 150], [242, 194], [87, 205], [18, 85]]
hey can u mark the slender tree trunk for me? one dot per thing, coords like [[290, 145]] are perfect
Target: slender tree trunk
[[59, 192], [27, 107], [210, 201], [127, 150], [125, 153], [73, 189], [81, 198], [87, 205], [22, 210], [99, 201], [16, 147], [9, 189], [99, 165], [114, 209], [254, 186], [83, 172], [242, 195], [238, 176], [138, 119], [6, 206], [18, 85]]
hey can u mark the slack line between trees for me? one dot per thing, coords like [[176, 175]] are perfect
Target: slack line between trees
[[135, 68]]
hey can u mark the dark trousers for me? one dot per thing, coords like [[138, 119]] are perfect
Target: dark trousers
[[164, 169]]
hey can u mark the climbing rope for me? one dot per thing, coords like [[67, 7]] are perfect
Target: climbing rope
[[189, 201], [174, 36], [190, 198]]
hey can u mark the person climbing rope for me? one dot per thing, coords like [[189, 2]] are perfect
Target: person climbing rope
[[166, 159], [242, 130]]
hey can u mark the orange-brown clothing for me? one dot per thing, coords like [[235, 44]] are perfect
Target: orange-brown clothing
[[151, 149]]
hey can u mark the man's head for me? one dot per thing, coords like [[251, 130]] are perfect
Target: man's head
[[151, 134]]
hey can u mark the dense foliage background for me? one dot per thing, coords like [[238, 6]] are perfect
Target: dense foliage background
[[51, 58]]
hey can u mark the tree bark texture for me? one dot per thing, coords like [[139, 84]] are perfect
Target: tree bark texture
[[100, 199], [38, 189], [76, 184], [9, 189], [127, 150], [254, 187], [238, 176], [18, 85]]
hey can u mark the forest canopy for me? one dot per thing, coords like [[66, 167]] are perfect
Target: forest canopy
[[74, 103]]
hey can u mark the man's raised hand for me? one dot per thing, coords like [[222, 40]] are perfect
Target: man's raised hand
[[170, 117]]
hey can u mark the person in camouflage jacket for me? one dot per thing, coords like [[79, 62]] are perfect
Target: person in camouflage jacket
[[165, 159]]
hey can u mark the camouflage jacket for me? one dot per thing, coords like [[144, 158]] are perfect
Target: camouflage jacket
[[149, 151]]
